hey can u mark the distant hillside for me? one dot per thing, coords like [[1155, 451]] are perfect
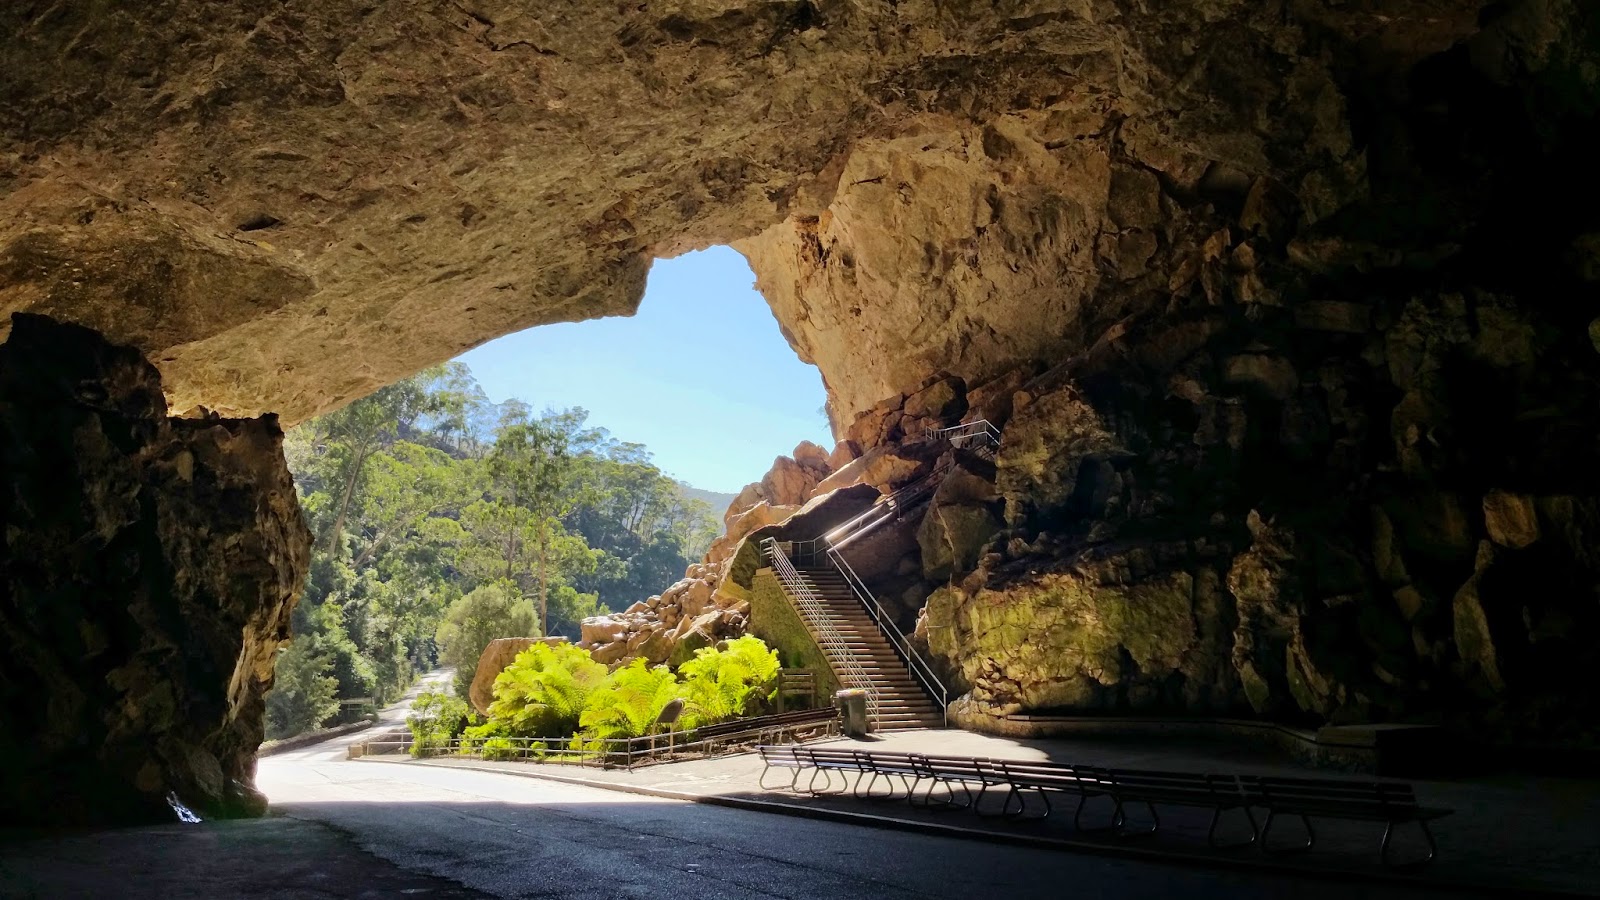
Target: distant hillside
[[717, 502]]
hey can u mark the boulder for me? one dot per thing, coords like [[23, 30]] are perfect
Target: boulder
[[500, 653], [601, 629], [843, 453], [939, 403], [749, 496], [696, 598], [812, 457], [760, 516], [1510, 519], [608, 654], [788, 483], [882, 468]]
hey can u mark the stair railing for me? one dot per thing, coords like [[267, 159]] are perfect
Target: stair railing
[[814, 613], [918, 666], [978, 436]]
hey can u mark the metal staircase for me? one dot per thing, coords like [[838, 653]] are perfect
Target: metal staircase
[[863, 645]]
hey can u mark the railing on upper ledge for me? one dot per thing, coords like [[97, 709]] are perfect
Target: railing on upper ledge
[[979, 436]]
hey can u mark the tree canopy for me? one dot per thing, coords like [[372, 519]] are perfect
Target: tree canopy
[[442, 521]]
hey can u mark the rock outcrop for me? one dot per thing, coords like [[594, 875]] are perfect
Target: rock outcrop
[[148, 570], [285, 207], [500, 653], [1295, 357]]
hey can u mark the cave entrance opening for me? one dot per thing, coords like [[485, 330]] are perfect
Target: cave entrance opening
[[541, 479]]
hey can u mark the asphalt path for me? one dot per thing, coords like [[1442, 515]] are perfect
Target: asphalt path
[[510, 836]]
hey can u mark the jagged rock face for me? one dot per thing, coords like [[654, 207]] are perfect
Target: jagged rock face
[[1335, 464], [147, 576], [287, 205]]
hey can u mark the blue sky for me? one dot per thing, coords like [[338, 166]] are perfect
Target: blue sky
[[701, 375]]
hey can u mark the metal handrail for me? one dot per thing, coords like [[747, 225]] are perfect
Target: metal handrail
[[828, 545], [976, 431], [813, 613], [979, 432], [918, 666], [611, 753]]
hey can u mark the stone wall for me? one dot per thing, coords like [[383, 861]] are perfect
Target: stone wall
[[148, 570]]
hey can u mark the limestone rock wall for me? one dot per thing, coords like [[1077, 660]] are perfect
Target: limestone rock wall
[[286, 205], [148, 570], [1313, 449]]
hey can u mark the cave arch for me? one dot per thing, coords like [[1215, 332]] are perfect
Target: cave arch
[[1170, 239]]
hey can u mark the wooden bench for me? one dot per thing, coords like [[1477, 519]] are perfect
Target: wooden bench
[[781, 758], [953, 771], [826, 761], [762, 729], [1392, 803], [1218, 793], [1045, 778]]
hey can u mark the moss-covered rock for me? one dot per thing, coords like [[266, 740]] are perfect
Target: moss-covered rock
[[774, 620]]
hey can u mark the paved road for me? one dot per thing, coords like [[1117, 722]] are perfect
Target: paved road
[[374, 829], [508, 836]]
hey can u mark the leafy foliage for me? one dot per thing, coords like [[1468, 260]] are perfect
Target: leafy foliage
[[725, 684], [425, 493], [554, 691], [435, 720], [630, 701], [490, 611], [545, 690], [302, 696]]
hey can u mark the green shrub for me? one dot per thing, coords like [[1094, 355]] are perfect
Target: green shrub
[[435, 720], [726, 684], [544, 692], [505, 748], [630, 701]]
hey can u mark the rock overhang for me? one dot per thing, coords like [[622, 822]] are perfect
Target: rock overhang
[[286, 207]]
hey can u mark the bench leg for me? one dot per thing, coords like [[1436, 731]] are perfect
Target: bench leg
[[1216, 819], [1266, 846], [977, 805], [1116, 816], [1022, 805], [1155, 823], [950, 801], [762, 781], [1427, 834], [827, 784], [869, 795]]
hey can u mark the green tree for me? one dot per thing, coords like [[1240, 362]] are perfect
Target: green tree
[[435, 720], [490, 611], [304, 693], [529, 467]]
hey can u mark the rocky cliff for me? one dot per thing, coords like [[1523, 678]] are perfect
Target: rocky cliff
[[147, 573], [1288, 309], [285, 205]]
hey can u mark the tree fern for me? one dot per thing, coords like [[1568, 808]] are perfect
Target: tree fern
[[544, 691], [721, 685], [630, 701]]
